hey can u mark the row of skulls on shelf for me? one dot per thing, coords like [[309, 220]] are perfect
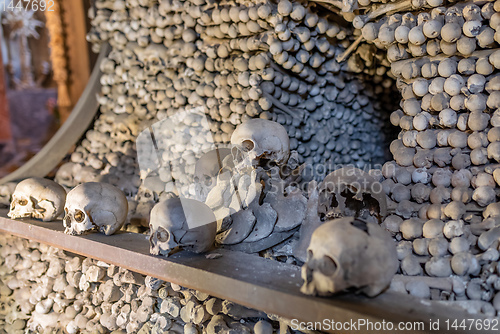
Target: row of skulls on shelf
[[340, 239]]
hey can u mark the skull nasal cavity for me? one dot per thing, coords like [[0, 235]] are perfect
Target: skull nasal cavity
[[247, 145]]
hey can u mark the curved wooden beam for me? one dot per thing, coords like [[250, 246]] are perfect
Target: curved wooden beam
[[68, 135]]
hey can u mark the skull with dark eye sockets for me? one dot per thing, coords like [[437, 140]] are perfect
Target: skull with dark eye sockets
[[181, 224], [350, 192], [349, 253]]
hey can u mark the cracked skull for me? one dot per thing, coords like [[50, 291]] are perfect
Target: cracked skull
[[181, 224], [351, 192], [349, 253], [37, 198], [259, 142], [95, 205]]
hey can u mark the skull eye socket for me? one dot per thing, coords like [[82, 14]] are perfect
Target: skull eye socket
[[162, 235], [208, 181], [79, 216], [23, 202], [247, 145], [327, 266]]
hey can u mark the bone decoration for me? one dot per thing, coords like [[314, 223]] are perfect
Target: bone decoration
[[95, 206], [330, 87]]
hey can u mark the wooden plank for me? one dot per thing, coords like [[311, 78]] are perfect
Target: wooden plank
[[67, 136], [242, 278]]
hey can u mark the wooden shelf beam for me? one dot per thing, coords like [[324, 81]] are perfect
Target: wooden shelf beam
[[246, 279]]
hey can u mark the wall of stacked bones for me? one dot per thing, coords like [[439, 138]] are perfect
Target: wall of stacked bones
[[328, 73], [45, 290]]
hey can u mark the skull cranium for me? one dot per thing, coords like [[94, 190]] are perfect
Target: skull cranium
[[151, 57], [349, 253], [181, 224], [37, 198], [259, 142], [95, 205], [125, 128], [351, 192]]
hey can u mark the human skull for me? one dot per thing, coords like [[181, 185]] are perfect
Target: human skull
[[145, 200], [349, 253], [259, 142], [152, 57], [95, 205], [181, 224], [206, 170], [125, 128], [6, 192], [37, 198], [351, 192]]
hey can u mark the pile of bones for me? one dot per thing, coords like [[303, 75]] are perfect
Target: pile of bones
[[45, 290], [246, 112]]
